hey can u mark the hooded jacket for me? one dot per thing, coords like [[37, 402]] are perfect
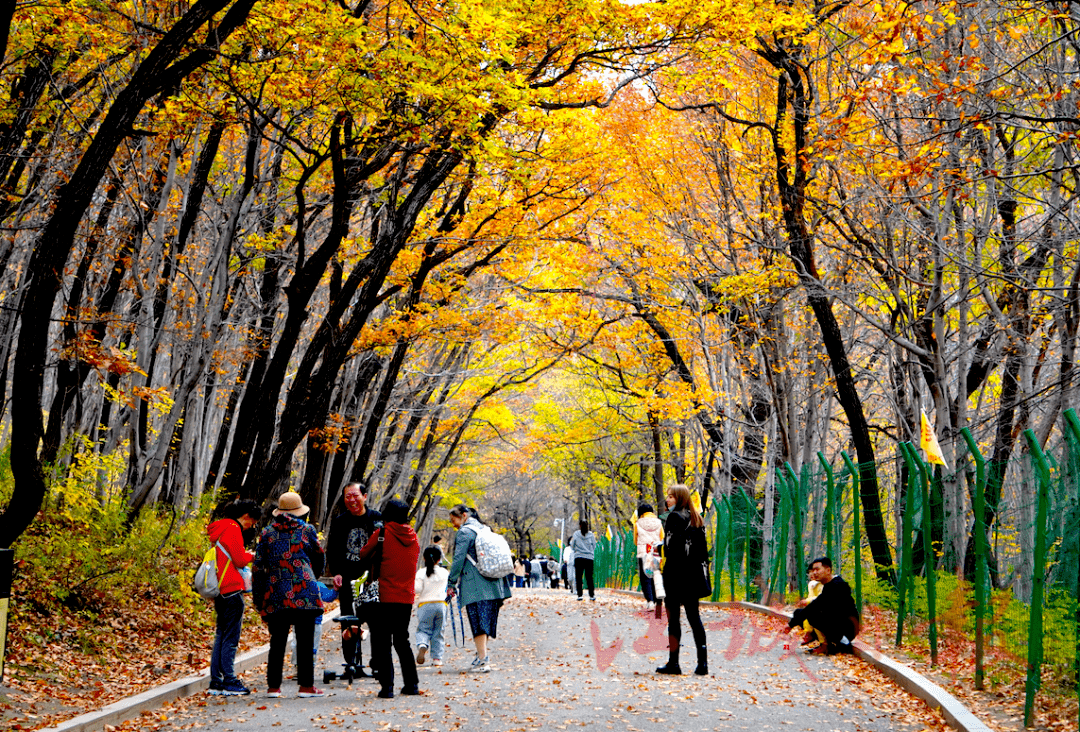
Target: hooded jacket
[[231, 535], [400, 554], [648, 532]]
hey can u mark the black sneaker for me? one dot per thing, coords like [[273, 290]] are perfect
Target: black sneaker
[[215, 688]]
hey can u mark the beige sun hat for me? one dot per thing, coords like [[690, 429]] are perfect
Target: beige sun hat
[[292, 504]]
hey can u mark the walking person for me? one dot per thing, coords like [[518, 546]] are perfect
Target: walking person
[[227, 533], [519, 572], [349, 532], [648, 534], [393, 552], [685, 576], [430, 587], [288, 562], [481, 596], [583, 544]]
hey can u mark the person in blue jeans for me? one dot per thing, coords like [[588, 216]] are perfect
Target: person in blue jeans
[[227, 534], [430, 588]]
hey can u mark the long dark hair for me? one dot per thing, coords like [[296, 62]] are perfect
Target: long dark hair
[[432, 556], [682, 500]]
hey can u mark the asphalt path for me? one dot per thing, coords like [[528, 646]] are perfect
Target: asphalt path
[[562, 664]]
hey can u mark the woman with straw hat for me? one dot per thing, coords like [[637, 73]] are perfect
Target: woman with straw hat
[[288, 562]]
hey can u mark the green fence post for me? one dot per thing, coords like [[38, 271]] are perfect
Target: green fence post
[[856, 531], [796, 492], [746, 543], [978, 505], [827, 523], [1073, 423], [929, 562], [718, 566], [906, 568], [731, 549], [1035, 630]]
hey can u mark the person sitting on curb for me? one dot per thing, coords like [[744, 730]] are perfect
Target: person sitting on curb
[[832, 614]]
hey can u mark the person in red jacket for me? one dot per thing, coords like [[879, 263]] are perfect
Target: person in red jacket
[[227, 534], [396, 572]]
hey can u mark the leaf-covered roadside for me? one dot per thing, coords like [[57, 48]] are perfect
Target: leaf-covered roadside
[[67, 663], [1000, 706], [102, 609]]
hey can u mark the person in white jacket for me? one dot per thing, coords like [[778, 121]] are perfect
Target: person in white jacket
[[430, 589], [648, 535]]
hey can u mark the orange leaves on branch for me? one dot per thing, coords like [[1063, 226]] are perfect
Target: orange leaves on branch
[[333, 436], [86, 348]]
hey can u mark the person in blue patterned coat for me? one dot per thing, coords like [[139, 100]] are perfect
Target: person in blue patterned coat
[[285, 589]]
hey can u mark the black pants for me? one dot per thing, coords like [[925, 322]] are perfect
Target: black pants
[[390, 627], [693, 617], [279, 624], [352, 649], [647, 587], [584, 568]]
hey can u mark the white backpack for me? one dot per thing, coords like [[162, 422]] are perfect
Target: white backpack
[[493, 557]]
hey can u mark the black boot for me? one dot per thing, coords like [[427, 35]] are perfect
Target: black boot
[[702, 662], [672, 665]]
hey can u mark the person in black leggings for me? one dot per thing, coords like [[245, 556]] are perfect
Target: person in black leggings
[[685, 553], [583, 544]]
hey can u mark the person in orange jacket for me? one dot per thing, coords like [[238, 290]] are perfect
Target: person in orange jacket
[[227, 534]]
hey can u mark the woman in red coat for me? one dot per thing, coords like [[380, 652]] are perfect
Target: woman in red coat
[[228, 536], [396, 573]]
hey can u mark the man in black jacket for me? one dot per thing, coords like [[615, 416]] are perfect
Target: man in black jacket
[[349, 532], [832, 613]]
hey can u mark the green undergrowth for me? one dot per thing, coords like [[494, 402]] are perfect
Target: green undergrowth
[[85, 556]]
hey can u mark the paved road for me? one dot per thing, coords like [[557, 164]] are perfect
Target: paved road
[[560, 664]]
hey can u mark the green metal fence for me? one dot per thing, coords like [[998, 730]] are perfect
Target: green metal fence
[[1013, 590]]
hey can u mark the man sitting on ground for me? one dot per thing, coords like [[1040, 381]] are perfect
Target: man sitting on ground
[[833, 613]]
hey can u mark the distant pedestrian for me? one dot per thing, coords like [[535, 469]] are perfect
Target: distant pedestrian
[[686, 578], [648, 534], [430, 586], [481, 596], [583, 543], [519, 572], [536, 571], [227, 533], [288, 562]]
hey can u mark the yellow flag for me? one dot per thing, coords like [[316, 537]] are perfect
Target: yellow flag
[[609, 532], [695, 501], [928, 442]]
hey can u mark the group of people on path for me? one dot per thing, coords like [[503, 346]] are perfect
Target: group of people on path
[[373, 558]]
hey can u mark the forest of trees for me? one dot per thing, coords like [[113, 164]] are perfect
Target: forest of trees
[[573, 250]]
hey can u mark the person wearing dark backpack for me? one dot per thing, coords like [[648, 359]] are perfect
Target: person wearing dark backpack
[[227, 533], [685, 576], [481, 596]]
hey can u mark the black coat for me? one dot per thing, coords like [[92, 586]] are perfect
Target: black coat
[[686, 559], [833, 612]]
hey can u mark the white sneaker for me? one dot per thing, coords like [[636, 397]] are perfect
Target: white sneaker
[[421, 655], [437, 662], [480, 665]]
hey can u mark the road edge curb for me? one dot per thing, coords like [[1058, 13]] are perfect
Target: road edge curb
[[955, 712], [153, 698]]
